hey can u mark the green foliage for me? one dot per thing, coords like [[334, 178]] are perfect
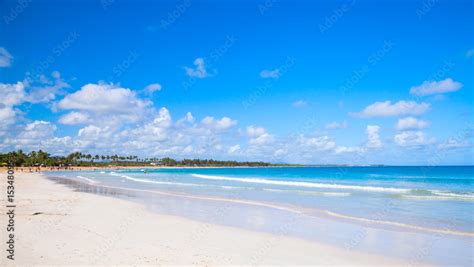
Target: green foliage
[[41, 158]]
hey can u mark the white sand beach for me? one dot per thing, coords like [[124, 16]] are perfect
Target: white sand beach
[[75, 228]]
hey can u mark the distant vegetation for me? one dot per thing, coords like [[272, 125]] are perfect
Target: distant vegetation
[[77, 159]]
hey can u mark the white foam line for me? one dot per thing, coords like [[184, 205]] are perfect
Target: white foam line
[[332, 194], [87, 179], [303, 184], [469, 196], [398, 224], [152, 182], [458, 198]]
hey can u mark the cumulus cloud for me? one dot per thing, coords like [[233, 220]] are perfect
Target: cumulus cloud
[[259, 136], [11, 95], [223, 124], [189, 118], [233, 149], [151, 88], [436, 87], [5, 58], [352, 149], [373, 137], [337, 125], [106, 103], [33, 134], [45, 90], [411, 123], [270, 74], [73, 118], [319, 143], [199, 70], [103, 98], [387, 109], [300, 104], [412, 138]]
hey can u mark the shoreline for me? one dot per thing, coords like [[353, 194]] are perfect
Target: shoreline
[[90, 168], [80, 228]]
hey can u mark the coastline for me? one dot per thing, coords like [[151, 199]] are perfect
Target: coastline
[[81, 228]]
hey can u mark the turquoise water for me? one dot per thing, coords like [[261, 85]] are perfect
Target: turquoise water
[[410, 212]]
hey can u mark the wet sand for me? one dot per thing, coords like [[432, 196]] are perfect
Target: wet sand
[[55, 225]]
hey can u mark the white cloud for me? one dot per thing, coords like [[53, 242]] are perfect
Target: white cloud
[[223, 124], [96, 137], [47, 90], [259, 136], [337, 125], [188, 149], [11, 95], [412, 138], [436, 87], [151, 88], [270, 74], [92, 132], [280, 152], [263, 139], [255, 131], [103, 98], [300, 104], [319, 143], [156, 131], [411, 123], [373, 137], [199, 71], [7, 116], [353, 149], [73, 118], [39, 135], [187, 119], [106, 104], [5, 58], [233, 149], [386, 109], [164, 119], [34, 132]]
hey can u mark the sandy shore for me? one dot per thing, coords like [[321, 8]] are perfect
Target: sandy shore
[[79, 228]]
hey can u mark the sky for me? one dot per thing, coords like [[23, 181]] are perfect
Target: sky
[[314, 82]]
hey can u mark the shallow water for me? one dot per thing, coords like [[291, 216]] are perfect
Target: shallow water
[[415, 213]]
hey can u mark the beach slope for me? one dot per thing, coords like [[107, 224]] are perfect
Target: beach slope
[[56, 226]]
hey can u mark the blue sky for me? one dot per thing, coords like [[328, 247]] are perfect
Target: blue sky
[[283, 81]]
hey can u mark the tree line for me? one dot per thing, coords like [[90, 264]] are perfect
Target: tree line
[[78, 159]]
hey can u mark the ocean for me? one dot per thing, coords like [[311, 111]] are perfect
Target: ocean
[[422, 214]]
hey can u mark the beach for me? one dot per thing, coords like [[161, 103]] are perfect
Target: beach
[[80, 228]]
